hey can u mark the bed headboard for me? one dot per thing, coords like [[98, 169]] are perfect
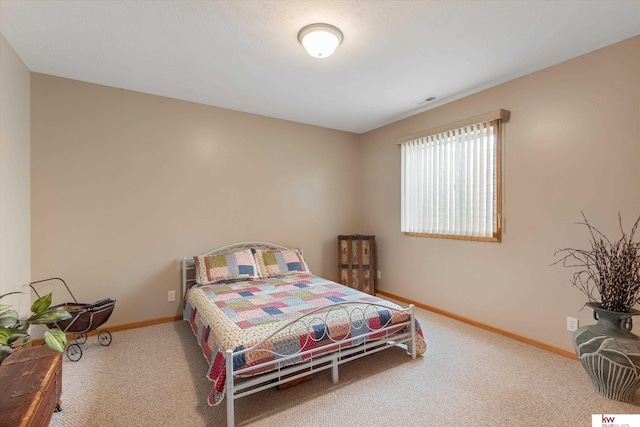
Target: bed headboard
[[189, 268]]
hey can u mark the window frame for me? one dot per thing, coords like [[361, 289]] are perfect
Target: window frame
[[499, 116]]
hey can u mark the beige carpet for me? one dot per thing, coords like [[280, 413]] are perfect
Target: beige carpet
[[155, 376]]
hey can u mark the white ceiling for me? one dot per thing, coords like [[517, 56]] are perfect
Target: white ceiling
[[244, 55]]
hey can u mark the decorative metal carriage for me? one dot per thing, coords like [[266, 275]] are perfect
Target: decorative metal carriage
[[85, 318]]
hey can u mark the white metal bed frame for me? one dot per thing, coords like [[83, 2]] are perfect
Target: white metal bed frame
[[338, 351]]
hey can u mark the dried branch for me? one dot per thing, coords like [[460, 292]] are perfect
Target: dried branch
[[608, 273]]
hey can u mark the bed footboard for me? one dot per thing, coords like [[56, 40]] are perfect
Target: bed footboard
[[360, 338]]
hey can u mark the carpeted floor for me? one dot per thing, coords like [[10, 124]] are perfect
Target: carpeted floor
[[155, 376]]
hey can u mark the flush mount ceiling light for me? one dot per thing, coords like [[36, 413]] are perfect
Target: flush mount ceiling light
[[320, 40]]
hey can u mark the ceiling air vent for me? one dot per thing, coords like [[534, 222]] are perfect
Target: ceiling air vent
[[426, 100]]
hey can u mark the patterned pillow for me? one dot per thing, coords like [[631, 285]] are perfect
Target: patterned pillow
[[235, 265], [279, 263]]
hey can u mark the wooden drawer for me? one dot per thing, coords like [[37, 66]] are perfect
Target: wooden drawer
[[33, 389]]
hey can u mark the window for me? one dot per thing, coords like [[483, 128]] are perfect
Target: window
[[451, 186]]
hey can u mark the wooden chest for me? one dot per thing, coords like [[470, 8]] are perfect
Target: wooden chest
[[31, 388], [357, 262]]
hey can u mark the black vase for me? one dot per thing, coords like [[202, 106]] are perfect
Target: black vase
[[610, 353]]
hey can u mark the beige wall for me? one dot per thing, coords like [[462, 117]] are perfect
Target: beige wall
[[125, 184], [15, 218], [572, 144]]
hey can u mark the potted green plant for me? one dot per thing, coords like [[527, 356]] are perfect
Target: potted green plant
[[608, 273], [14, 332]]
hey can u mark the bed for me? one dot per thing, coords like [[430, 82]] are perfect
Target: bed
[[263, 319]]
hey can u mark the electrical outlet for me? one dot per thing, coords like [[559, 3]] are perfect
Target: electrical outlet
[[171, 296], [379, 274], [572, 324]]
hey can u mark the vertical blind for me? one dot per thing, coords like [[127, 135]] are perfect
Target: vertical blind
[[450, 182]]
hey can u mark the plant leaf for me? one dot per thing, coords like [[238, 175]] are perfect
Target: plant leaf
[[42, 303], [4, 335], [9, 318], [20, 337], [56, 339], [50, 316], [21, 326], [4, 307], [5, 350]]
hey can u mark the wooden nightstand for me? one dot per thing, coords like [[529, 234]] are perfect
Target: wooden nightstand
[[31, 381]]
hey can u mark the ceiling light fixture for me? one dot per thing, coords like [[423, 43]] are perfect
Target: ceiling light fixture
[[320, 40]]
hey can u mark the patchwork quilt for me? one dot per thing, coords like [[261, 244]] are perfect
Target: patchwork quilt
[[239, 315]]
